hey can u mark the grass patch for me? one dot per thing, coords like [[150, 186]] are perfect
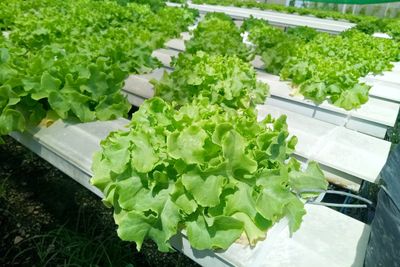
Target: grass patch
[[47, 219]]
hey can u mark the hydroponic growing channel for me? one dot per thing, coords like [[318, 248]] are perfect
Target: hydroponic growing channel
[[241, 123]]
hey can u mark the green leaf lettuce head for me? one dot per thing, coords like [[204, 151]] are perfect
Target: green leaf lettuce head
[[225, 80], [393, 28], [218, 35], [275, 46], [213, 171]]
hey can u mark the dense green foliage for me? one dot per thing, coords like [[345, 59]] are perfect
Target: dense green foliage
[[210, 170], [218, 35], [330, 66], [274, 45], [323, 66], [393, 28], [155, 5], [75, 63], [222, 79]]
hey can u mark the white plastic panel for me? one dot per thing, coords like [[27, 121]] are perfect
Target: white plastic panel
[[186, 35], [348, 151], [352, 123], [382, 35], [165, 55], [177, 44], [238, 23], [396, 67], [309, 246], [372, 129], [6, 34], [140, 85], [134, 99], [276, 18], [308, 111], [258, 63], [391, 78], [69, 146], [366, 161], [385, 90]]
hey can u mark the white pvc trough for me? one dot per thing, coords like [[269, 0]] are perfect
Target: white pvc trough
[[382, 35], [373, 117], [387, 77], [275, 18], [6, 34]]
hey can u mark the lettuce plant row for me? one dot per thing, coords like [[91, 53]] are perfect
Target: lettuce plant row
[[74, 64], [323, 66], [367, 24]]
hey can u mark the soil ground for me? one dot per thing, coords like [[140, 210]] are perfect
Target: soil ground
[[47, 219]]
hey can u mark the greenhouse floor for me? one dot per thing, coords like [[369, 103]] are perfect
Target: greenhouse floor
[[47, 219]]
